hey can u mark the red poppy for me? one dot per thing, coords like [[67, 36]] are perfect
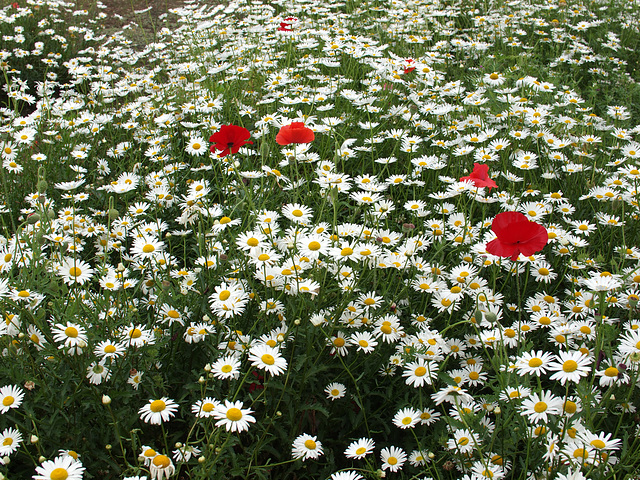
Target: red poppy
[[287, 24], [516, 235], [229, 139], [480, 176], [409, 68], [294, 133]]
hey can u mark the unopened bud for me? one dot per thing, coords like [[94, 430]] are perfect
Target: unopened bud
[[106, 400], [34, 439]]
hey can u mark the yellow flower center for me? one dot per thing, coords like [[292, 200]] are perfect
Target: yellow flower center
[[71, 332], [268, 359], [161, 461], [297, 213], [463, 441], [580, 453], [157, 406], [420, 372], [75, 272], [208, 407], [59, 474], [8, 400], [263, 257], [363, 343], [570, 407], [360, 451], [611, 372], [339, 342], [570, 366], [224, 295], [234, 414], [226, 368], [494, 76], [7, 441], [314, 246], [173, 314], [310, 444], [407, 420], [535, 362], [392, 460], [597, 443], [540, 407], [148, 248], [224, 220], [346, 251]]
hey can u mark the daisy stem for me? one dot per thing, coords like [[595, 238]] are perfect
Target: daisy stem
[[427, 464], [164, 438], [355, 384], [116, 429]]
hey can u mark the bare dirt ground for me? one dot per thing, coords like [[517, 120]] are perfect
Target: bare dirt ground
[[145, 16]]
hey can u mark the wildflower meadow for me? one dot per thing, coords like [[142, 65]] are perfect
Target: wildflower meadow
[[321, 240]]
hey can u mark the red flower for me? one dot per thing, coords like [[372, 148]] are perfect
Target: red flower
[[287, 24], [229, 139], [294, 133], [409, 68], [516, 235], [480, 176]]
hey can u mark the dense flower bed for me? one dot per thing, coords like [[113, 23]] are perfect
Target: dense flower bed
[[321, 240]]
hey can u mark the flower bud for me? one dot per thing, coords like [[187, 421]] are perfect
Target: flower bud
[[106, 400], [34, 439], [491, 317]]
